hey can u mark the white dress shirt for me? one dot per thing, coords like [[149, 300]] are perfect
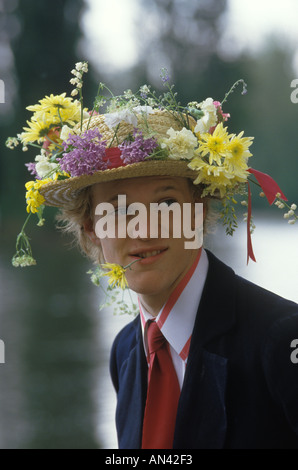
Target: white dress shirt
[[177, 317]]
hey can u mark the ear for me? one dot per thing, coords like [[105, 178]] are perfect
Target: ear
[[89, 230]]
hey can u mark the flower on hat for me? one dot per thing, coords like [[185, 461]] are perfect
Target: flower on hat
[[214, 145], [113, 119], [128, 115], [215, 178], [209, 118], [33, 197], [238, 151], [65, 131], [83, 154], [180, 144], [138, 149], [44, 167], [37, 130], [221, 161], [52, 111]]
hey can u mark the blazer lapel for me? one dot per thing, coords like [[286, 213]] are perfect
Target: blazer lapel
[[201, 418], [132, 395]]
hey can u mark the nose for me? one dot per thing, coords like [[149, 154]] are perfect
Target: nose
[[138, 225]]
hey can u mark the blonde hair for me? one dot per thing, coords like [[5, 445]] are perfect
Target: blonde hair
[[72, 220]]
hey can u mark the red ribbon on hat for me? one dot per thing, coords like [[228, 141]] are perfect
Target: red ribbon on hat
[[270, 189], [113, 157]]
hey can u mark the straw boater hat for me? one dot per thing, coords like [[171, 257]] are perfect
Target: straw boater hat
[[139, 135], [62, 193]]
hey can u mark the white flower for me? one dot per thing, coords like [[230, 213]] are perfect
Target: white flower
[[44, 167], [86, 115], [145, 89], [193, 104], [293, 207], [113, 119], [65, 131], [82, 67], [181, 144], [151, 101], [210, 116], [143, 110], [128, 94]]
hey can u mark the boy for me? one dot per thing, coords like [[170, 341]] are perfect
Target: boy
[[207, 363]]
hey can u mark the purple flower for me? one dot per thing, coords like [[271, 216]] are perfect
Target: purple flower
[[84, 154], [164, 75], [138, 149], [31, 167]]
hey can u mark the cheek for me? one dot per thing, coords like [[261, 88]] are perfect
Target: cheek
[[111, 248]]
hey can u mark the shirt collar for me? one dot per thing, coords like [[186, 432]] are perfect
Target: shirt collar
[[177, 317]]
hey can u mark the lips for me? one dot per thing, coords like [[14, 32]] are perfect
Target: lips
[[146, 254]]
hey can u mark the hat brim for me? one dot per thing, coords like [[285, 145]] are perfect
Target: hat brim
[[62, 193]]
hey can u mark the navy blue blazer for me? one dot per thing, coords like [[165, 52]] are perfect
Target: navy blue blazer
[[240, 389]]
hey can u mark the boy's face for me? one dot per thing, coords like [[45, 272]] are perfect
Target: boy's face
[[164, 260]]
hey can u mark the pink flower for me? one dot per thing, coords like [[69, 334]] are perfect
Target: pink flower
[[222, 116]]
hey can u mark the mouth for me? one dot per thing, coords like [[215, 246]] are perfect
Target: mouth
[[149, 255]]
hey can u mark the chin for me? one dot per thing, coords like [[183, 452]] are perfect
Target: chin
[[146, 285]]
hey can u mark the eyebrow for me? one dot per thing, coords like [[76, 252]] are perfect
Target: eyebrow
[[114, 198], [166, 188]]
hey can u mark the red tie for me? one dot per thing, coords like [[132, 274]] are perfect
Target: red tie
[[162, 395]]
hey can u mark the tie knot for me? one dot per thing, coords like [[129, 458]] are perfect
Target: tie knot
[[155, 337]]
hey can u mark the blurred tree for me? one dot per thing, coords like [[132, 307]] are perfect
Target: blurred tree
[[38, 48], [270, 115], [182, 35], [185, 36], [42, 38]]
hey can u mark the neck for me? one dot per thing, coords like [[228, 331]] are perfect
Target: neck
[[154, 303]]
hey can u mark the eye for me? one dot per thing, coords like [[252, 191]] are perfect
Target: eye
[[121, 210], [168, 202]]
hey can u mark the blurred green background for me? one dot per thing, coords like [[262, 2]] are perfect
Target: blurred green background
[[48, 313]]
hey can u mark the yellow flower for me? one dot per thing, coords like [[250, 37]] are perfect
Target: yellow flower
[[34, 200], [37, 130], [214, 145], [237, 150], [216, 178], [57, 108], [50, 103], [116, 275], [33, 197]]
